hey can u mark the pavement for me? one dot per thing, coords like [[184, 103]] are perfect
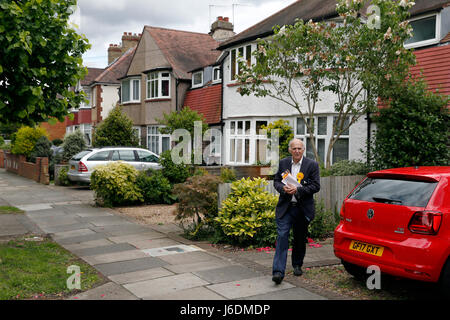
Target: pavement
[[149, 262]]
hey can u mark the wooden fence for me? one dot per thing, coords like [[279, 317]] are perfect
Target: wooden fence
[[333, 190]]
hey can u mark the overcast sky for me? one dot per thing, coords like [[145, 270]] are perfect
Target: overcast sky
[[104, 21]]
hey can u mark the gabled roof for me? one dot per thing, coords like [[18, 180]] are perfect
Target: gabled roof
[[207, 101], [185, 50], [117, 69], [92, 74], [311, 9]]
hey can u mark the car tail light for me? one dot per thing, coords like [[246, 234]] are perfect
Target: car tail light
[[342, 212], [82, 167], [425, 222]]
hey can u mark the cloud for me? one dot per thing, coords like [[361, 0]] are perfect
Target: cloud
[[104, 21]]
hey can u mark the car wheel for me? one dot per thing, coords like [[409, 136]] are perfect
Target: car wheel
[[445, 279], [356, 271]]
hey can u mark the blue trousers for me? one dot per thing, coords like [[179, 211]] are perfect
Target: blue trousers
[[295, 219]]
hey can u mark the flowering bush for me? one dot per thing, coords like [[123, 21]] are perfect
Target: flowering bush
[[115, 184], [247, 215]]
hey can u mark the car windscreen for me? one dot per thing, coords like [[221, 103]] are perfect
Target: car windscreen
[[80, 155], [393, 191]]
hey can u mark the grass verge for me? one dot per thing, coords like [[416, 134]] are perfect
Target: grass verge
[[38, 270], [336, 279], [10, 210]]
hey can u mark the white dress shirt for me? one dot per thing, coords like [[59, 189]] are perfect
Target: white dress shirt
[[295, 169]]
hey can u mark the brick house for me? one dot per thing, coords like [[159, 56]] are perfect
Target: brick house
[[159, 78]]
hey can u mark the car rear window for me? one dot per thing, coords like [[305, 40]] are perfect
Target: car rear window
[[80, 155], [393, 191], [99, 156]]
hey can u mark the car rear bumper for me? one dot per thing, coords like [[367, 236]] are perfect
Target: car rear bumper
[[414, 258], [79, 176]]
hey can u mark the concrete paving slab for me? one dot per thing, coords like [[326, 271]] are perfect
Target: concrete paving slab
[[134, 238], [109, 269], [197, 293], [226, 274], [248, 287], [108, 291], [167, 228], [106, 221], [79, 239], [68, 227], [91, 251], [72, 233], [45, 222], [141, 275], [287, 294], [124, 229], [153, 243], [169, 250], [166, 285], [87, 244], [198, 266], [189, 257], [10, 225], [114, 257]]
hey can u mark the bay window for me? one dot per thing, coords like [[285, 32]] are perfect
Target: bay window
[[158, 85]]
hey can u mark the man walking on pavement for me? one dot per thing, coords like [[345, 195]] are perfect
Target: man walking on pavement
[[295, 208]]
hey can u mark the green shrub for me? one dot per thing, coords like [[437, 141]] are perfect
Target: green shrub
[[155, 188], [63, 177], [413, 130], [346, 168], [41, 149], [197, 199], [285, 132], [324, 222], [176, 173], [25, 139], [73, 143], [247, 216], [115, 130], [115, 184], [227, 175]]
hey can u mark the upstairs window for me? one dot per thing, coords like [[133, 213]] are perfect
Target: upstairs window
[[131, 90], [216, 75], [240, 54], [426, 31], [197, 79], [158, 85]]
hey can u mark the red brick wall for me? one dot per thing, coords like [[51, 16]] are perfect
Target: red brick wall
[[35, 171]]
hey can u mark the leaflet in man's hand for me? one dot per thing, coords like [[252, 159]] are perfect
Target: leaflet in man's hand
[[288, 178]]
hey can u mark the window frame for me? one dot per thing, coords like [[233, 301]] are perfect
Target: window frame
[[193, 84], [159, 137], [131, 92], [214, 80], [234, 55], [159, 80], [437, 37]]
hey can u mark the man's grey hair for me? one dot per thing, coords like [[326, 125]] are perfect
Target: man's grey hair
[[296, 139]]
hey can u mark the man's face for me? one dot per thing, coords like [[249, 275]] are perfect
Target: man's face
[[296, 149]]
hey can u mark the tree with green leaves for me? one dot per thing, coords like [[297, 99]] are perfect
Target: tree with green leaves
[[183, 119], [354, 60], [413, 129], [40, 59], [115, 130]]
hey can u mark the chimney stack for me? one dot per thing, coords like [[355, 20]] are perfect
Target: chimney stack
[[129, 40], [222, 29]]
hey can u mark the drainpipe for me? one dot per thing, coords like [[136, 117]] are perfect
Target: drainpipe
[[369, 122]]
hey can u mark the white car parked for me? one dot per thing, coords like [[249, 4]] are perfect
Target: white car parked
[[83, 164]]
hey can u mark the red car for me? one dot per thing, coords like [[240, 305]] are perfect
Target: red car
[[398, 220]]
